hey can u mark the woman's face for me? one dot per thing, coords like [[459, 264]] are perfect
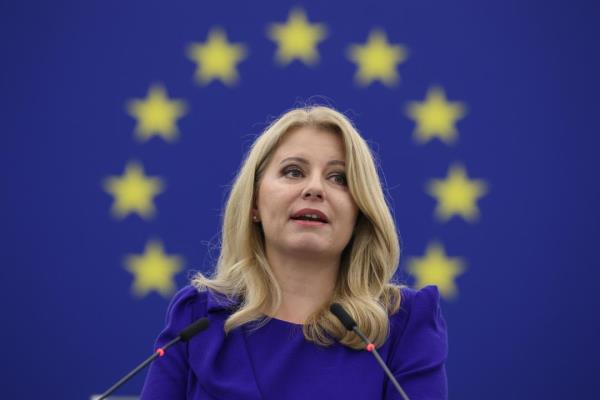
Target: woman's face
[[303, 200]]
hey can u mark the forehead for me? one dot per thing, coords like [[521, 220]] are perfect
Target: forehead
[[311, 142]]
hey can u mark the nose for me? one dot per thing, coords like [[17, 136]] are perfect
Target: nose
[[313, 188]]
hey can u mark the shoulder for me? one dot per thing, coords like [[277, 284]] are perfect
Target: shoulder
[[192, 303], [419, 318], [186, 305], [419, 344], [418, 302], [188, 295]]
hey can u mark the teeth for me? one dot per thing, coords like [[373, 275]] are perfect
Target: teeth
[[311, 216]]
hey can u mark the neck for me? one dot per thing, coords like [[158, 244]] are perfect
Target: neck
[[307, 283]]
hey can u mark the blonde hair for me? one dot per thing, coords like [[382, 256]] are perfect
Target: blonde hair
[[368, 262]]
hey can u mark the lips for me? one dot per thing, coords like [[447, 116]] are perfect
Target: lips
[[321, 217]]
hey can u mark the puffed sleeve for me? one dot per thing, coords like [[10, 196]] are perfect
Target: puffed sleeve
[[168, 376], [419, 347]]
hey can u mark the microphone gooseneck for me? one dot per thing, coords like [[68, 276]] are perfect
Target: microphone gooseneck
[[351, 325], [345, 318], [186, 334], [191, 330]]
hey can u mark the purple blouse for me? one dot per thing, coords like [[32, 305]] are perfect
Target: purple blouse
[[276, 362]]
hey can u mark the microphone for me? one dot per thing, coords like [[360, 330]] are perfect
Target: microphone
[[186, 334], [350, 324]]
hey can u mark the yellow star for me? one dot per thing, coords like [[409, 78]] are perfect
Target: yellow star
[[377, 59], [133, 192], [457, 195], [436, 269], [297, 38], [435, 117], [216, 58], [156, 115], [153, 270]]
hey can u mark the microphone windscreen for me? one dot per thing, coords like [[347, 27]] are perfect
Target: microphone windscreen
[[194, 328], [343, 316]]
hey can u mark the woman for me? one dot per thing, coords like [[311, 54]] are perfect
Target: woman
[[306, 224]]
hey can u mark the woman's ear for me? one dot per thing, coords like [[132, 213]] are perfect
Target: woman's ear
[[255, 214]]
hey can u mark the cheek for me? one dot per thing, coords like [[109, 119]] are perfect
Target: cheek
[[349, 205], [350, 213], [273, 200], [350, 224]]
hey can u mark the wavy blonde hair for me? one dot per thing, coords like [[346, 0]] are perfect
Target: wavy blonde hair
[[368, 263]]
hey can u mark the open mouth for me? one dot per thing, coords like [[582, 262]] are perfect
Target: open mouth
[[311, 218], [308, 216]]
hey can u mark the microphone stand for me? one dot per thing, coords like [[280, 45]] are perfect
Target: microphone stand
[[185, 335]]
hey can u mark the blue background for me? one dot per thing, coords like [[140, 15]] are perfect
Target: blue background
[[526, 322]]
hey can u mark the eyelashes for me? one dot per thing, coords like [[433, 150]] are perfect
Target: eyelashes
[[295, 172], [341, 179], [292, 171]]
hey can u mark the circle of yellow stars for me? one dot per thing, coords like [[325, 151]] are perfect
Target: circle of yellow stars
[[296, 39]]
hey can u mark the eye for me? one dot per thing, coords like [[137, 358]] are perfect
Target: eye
[[339, 178], [292, 171]]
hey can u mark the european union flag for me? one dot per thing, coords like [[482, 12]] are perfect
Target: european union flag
[[125, 123]]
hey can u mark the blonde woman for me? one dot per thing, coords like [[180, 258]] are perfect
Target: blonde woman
[[306, 224]]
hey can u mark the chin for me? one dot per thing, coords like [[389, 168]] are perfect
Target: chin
[[310, 247]]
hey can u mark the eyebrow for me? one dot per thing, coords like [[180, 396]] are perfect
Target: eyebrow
[[304, 161]]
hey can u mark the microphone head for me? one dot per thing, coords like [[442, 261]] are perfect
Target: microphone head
[[345, 318], [194, 328]]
